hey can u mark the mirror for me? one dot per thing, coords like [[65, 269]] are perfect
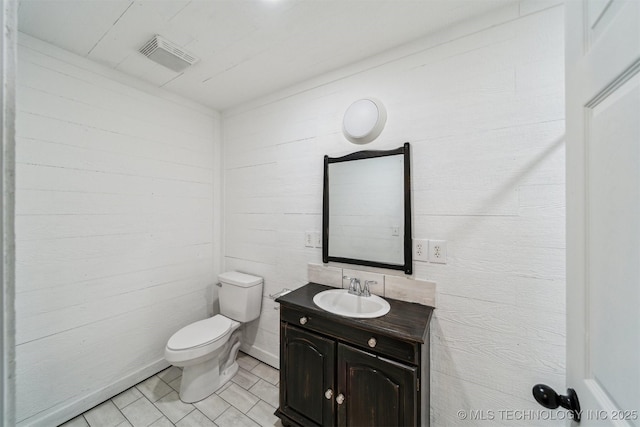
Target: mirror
[[366, 215]]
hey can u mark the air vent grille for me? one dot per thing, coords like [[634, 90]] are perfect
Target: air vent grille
[[149, 47], [165, 53]]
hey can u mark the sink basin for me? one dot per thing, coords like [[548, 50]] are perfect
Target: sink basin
[[341, 302]]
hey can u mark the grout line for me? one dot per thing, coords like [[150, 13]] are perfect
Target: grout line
[[185, 416], [120, 410], [223, 412], [207, 417], [254, 405]]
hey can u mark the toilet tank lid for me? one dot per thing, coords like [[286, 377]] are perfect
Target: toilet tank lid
[[239, 279]]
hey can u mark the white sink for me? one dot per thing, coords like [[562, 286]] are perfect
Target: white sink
[[341, 302]]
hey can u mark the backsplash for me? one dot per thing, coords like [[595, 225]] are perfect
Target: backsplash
[[390, 286]]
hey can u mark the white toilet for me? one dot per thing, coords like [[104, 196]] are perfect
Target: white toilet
[[207, 349]]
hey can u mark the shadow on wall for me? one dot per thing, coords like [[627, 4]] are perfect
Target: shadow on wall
[[513, 183], [249, 334], [213, 302]]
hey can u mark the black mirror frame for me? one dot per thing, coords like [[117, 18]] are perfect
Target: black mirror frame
[[408, 247]]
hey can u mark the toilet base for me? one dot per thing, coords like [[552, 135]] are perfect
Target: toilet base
[[202, 379], [197, 379], [228, 373]]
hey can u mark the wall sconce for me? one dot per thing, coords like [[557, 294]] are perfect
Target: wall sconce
[[364, 120]]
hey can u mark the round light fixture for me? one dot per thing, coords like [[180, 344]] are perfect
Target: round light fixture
[[364, 120]]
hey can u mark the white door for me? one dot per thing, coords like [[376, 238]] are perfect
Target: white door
[[603, 209]]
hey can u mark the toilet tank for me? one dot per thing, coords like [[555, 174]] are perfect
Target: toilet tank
[[240, 296]]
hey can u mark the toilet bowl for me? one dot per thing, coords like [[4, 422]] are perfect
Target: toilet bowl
[[207, 349]]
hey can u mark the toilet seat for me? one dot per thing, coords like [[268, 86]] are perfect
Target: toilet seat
[[201, 333]]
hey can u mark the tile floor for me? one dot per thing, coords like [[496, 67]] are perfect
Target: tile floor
[[248, 400]]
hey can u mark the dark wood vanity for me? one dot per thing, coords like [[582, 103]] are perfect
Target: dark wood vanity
[[340, 371]]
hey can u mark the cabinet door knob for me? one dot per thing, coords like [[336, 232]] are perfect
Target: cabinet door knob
[[340, 399], [372, 342], [328, 394], [303, 320]]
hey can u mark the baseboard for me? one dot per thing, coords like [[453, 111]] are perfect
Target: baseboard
[[262, 355], [70, 410]]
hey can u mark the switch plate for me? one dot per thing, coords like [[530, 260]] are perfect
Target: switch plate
[[421, 250], [438, 251], [317, 239]]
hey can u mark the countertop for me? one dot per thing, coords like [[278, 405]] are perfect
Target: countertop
[[405, 320]]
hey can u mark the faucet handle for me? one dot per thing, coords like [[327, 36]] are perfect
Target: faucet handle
[[366, 291], [350, 279]]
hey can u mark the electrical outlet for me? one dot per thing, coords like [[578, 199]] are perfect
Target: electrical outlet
[[438, 251], [421, 250], [308, 239]]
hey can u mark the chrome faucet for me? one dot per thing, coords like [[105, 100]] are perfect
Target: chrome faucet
[[354, 285], [366, 292], [355, 288]]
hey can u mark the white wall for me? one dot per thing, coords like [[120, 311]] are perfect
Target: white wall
[[116, 229], [483, 106]]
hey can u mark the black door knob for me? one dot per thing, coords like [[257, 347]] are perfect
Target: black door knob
[[547, 397]]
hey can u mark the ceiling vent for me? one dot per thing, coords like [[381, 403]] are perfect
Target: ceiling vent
[[165, 53]]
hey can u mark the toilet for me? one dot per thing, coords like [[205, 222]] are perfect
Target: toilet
[[207, 349]]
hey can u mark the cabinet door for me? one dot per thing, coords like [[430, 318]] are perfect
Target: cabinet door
[[307, 373], [377, 391]]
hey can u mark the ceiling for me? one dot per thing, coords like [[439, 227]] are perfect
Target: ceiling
[[247, 48]]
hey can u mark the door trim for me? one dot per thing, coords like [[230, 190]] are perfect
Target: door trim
[[8, 17]]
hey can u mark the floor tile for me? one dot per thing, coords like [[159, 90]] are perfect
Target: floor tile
[[175, 384], [154, 388], [224, 387], [246, 362], [234, 418], [212, 406], [266, 372], [78, 421], [170, 374], [262, 413], [104, 415], [246, 400], [267, 392], [245, 379], [162, 422], [195, 419], [173, 408], [141, 413], [126, 397], [239, 397]]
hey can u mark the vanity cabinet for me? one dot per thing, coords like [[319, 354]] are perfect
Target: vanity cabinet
[[338, 371], [309, 376], [380, 391]]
